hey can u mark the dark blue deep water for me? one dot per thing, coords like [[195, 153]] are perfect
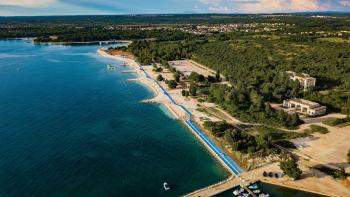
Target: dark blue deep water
[[70, 127]]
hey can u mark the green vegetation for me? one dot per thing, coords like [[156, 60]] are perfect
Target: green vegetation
[[160, 78], [193, 89], [316, 128], [336, 174], [250, 106], [172, 84], [291, 168], [338, 121], [148, 52], [157, 69], [177, 76], [259, 140], [259, 64], [195, 77]]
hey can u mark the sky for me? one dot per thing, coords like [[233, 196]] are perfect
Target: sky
[[88, 7]]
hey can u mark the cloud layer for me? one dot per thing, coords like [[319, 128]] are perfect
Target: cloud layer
[[27, 3], [268, 6], [64, 7]]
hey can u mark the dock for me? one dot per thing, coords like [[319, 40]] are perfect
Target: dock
[[223, 186]]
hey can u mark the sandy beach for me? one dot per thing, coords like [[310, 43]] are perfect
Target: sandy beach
[[159, 96]]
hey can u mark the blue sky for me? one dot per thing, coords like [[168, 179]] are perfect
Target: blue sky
[[79, 7]]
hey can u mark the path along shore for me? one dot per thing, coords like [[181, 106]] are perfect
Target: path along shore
[[180, 112]]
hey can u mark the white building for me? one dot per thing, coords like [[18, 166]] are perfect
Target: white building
[[305, 107], [305, 80]]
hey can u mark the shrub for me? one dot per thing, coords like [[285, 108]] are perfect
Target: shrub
[[160, 78], [290, 168], [319, 129]]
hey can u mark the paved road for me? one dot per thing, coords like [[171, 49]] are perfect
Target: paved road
[[225, 159]]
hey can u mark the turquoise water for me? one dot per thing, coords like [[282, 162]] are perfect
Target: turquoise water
[[70, 127]]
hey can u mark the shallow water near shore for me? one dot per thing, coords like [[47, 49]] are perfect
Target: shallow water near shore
[[70, 127]]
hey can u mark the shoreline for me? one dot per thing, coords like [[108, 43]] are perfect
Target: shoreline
[[158, 96], [180, 113], [88, 42]]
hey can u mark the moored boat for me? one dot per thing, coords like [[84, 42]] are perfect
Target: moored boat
[[166, 186]]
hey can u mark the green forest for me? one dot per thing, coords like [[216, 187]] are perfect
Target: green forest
[[256, 65]]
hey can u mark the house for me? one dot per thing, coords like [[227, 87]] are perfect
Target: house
[[305, 80], [305, 107]]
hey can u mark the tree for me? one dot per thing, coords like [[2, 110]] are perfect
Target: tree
[[157, 69], [176, 76], [171, 84], [187, 94], [160, 78], [195, 77], [290, 168], [183, 92], [217, 76], [193, 89]]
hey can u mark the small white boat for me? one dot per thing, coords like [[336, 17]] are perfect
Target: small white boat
[[166, 186], [256, 191], [264, 195], [238, 191], [254, 186]]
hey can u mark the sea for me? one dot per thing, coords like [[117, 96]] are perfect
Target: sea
[[71, 127]]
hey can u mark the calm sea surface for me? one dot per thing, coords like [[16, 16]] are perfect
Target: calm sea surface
[[70, 127]]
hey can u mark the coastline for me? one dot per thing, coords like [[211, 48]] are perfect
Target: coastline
[[179, 112], [158, 97], [89, 42]]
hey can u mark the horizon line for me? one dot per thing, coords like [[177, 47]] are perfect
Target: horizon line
[[195, 13]]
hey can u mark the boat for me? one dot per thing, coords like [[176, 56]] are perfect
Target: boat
[[245, 195], [256, 191], [254, 186], [264, 195], [166, 186], [238, 191]]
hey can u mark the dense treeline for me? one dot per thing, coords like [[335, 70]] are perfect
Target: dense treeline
[[75, 26], [150, 51], [259, 66], [102, 34], [250, 106]]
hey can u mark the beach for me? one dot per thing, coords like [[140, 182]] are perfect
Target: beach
[[182, 108]]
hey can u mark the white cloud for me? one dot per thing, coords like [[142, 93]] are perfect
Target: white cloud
[[27, 3], [344, 3], [265, 6]]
